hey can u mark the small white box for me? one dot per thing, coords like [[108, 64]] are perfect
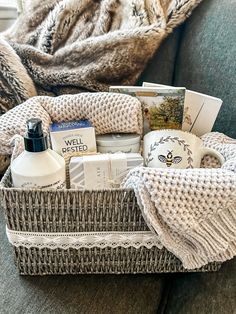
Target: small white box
[[73, 137], [101, 171]]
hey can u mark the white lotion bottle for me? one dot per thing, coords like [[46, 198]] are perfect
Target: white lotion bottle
[[38, 166]]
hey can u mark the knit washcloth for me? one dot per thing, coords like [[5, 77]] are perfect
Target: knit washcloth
[[192, 211], [108, 113]]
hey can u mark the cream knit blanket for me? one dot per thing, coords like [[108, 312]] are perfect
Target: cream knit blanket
[[192, 211]]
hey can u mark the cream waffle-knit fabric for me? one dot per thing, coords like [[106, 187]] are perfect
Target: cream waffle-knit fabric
[[193, 211], [108, 112]]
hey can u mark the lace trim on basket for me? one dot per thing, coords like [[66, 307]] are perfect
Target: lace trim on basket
[[79, 240]]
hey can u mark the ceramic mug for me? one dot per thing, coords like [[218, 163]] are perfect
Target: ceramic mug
[[175, 149]]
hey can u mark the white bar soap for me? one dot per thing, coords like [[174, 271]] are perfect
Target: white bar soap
[[101, 171]]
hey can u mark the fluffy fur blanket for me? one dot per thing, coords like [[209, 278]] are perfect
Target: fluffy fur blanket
[[67, 46]]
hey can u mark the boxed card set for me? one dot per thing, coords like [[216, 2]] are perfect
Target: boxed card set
[[163, 107]]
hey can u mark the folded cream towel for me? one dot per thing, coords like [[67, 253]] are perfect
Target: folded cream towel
[[108, 112], [193, 211]]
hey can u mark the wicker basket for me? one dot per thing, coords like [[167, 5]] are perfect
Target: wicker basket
[[70, 211]]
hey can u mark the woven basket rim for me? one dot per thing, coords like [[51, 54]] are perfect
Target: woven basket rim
[[7, 175]]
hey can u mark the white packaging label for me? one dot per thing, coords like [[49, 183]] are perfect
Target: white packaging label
[[98, 171], [74, 141]]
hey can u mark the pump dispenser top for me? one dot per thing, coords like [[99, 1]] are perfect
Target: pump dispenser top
[[35, 140], [38, 166]]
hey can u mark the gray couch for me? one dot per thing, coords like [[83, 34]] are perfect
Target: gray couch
[[201, 56]]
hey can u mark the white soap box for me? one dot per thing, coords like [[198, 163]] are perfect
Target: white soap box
[[73, 137], [101, 171]]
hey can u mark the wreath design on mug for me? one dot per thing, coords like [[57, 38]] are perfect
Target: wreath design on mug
[[168, 139]]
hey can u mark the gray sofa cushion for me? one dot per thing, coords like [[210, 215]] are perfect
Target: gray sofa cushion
[[206, 59], [204, 293]]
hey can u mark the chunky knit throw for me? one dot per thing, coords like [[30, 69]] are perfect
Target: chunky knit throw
[[193, 211], [67, 46]]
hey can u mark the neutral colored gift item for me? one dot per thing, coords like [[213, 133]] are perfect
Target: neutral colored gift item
[[82, 45], [108, 113], [38, 166], [175, 149], [113, 143], [73, 137], [200, 110], [101, 171]]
